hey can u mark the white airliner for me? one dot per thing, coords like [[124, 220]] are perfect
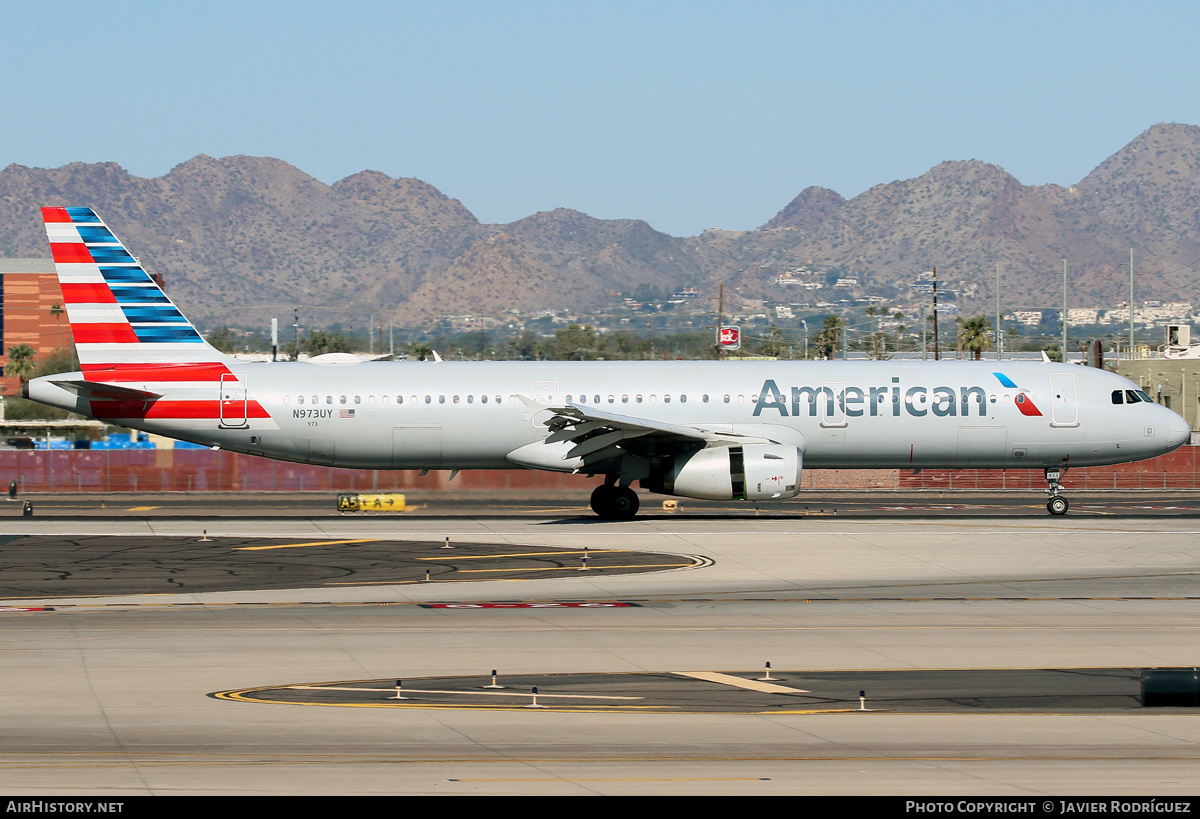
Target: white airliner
[[713, 430]]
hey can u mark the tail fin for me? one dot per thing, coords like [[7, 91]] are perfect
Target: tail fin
[[121, 320]]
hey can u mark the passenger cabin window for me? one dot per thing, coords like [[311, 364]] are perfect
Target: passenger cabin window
[[299, 399]]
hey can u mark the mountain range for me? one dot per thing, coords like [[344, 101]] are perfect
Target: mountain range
[[251, 236]]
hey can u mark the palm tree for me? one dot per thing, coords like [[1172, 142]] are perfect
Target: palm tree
[[774, 345], [828, 338], [975, 335], [872, 312], [56, 310], [20, 361]]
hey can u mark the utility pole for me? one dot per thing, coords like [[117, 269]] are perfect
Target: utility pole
[[924, 333], [1131, 302], [999, 337], [937, 346], [1064, 316], [720, 321]]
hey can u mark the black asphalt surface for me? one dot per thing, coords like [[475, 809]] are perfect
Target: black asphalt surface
[[1088, 690], [47, 566], [844, 503]]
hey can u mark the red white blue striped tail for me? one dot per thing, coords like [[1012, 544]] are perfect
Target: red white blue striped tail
[[142, 361], [120, 318]]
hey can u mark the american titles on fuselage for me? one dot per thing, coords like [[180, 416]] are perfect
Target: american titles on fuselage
[[837, 398]]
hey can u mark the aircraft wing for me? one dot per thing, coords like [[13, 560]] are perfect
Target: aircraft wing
[[597, 435]]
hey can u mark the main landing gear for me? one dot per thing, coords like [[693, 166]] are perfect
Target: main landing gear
[[613, 502], [1057, 505]]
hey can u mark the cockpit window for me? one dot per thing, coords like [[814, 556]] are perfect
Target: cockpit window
[[1142, 395], [1118, 397]]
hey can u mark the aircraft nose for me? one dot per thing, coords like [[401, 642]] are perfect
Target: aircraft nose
[[1178, 431]]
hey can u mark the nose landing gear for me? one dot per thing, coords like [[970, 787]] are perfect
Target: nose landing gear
[[1057, 504]]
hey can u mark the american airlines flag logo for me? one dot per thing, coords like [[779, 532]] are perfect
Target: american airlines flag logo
[[1023, 401], [346, 413]]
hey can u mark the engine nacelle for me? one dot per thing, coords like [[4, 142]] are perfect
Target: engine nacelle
[[752, 472]]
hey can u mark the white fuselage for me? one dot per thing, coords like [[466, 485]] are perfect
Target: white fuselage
[[476, 415]]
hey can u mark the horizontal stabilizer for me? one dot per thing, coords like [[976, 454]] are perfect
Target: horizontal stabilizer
[[109, 392]]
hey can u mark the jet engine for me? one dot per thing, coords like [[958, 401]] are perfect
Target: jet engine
[[751, 472]]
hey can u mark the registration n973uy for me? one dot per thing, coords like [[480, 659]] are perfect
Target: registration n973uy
[[713, 430]]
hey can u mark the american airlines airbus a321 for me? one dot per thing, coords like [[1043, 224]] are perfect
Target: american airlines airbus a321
[[713, 430]]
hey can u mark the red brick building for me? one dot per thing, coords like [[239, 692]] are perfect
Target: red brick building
[[29, 292]]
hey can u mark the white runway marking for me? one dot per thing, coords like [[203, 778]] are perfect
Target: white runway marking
[[738, 682]]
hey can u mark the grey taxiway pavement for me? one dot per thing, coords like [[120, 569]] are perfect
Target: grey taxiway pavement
[[131, 694]]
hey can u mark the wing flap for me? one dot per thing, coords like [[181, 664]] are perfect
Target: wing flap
[[597, 435], [601, 442]]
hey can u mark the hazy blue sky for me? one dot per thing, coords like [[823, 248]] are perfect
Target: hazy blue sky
[[689, 115]]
